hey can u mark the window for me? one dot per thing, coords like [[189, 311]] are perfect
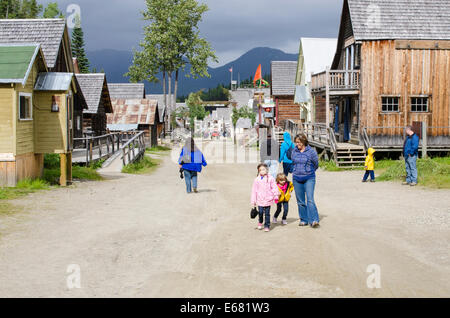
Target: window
[[390, 104], [25, 106], [419, 104]]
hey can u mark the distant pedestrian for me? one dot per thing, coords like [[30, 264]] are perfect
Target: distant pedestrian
[[285, 147], [411, 153], [191, 162], [306, 162], [369, 166], [285, 187], [269, 154], [264, 194]]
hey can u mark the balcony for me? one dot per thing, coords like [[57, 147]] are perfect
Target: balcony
[[338, 82]]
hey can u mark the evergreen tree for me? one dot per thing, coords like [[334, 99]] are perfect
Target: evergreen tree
[[52, 11], [78, 47], [19, 9]]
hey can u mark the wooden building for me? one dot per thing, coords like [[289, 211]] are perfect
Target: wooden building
[[36, 114], [391, 69], [95, 90], [283, 75], [135, 114], [163, 112], [126, 90]]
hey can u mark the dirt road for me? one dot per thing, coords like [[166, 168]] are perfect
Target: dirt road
[[143, 236]]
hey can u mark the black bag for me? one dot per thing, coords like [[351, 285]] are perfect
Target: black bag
[[253, 213], [289, 153]]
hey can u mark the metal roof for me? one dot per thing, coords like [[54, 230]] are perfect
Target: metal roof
[[318, 53], [16, 62], [133, 111], [47, 32], [283, 77], [400, 19], [161, 107], [126, 90], [53, 81], [122, 127]]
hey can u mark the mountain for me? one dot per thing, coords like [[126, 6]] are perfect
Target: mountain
[[115, 64]]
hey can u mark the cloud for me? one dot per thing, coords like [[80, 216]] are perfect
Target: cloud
[[232, 27]]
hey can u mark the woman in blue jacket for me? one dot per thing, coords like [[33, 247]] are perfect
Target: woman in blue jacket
[[285, 146], [305, 161], [191, 161]]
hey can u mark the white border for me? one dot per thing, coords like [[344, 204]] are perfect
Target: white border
[[31, 106]]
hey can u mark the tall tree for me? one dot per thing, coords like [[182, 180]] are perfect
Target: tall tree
[[19, 9], [78, 46], [52, 11], [171, 40]]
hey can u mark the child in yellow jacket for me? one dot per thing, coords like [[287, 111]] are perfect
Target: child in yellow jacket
[[285, 187], [369, 166]]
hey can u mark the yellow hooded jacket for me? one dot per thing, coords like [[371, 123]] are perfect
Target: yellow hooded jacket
[[285, 197], [370, 162]]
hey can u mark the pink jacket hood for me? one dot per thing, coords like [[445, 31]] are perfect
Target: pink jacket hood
[[265, 191]]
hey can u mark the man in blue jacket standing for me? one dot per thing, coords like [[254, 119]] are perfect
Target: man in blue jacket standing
[[411, 152]]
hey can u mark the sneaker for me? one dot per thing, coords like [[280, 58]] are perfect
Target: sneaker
[[315, 224], [195, 190], [405, 183], [363, 181], [274, 220], [413, 184], [284, 222], [303, 224], [266, 229], [260, 226], [372, 180]]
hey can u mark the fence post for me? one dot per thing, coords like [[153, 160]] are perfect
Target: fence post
[[100, 149], [424, 139], [90, 150]]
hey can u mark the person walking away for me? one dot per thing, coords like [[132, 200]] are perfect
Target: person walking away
[[269, 154], [410, 153], [285, 147], [369, 166], [285, 187], [306, 162], [191, 160], [264, 194]]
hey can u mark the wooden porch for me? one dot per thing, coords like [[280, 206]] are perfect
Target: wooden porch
[[336, 82]]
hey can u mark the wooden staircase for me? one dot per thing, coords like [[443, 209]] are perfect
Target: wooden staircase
[[350, 156]]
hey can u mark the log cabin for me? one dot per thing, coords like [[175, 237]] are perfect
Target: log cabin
[[36, 114], [283, 75], [95, 90], [391, 69], [135, 114]]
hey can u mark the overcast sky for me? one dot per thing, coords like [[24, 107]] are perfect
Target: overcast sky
[[231, 26]]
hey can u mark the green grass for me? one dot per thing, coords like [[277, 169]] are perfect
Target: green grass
[[143, 166], [329, 165], [433, 173], [24, 187], [158, 149], [78, 173]]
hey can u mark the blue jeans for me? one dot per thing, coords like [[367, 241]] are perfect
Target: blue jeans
[[411, 169], [371, 173], [287, 168], [285, 206], [188, 177], [264, 212], [273, 167], [307, 209]]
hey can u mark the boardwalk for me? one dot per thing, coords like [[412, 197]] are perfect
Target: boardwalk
[[143, 236]]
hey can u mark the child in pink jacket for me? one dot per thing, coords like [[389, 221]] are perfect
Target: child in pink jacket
[[264, 194]]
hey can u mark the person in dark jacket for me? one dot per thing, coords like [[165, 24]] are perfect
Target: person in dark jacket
[[411, 153], [191, 161], [305, 163]]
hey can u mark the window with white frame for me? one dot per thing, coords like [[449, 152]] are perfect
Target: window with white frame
[[419, 104], [25, 106], [390, 104]]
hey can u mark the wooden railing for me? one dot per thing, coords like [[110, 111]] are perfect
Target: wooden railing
[[103, 146], [317, 133], [134, 149], [292, 127], [336, 80]]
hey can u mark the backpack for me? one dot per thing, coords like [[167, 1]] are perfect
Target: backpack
[[289, 152]]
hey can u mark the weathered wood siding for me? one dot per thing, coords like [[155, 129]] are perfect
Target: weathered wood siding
[[287, 109], [50, 128], [319, 109], [7, 119], [405, 73]]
